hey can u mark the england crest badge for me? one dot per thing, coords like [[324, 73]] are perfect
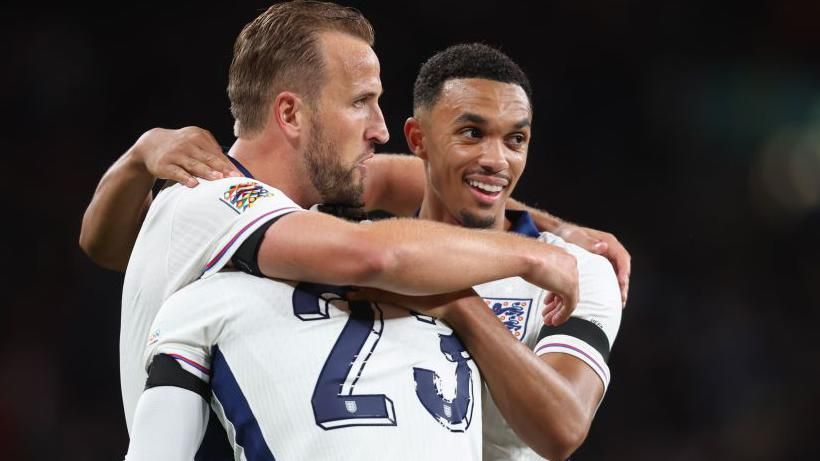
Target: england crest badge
[[514, 313]]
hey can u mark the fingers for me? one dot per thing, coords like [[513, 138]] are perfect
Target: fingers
[[614, 251], [623, 268], [555, 312], [557, 309], [198, 166], [211, 154], [550, 303], [221, 164], [581, 237], [190, 149], [600, 247], [179, 175]]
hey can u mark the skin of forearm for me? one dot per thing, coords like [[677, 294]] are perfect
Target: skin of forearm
[[406, 256], [113, 217], [538, 403], [394, 183]]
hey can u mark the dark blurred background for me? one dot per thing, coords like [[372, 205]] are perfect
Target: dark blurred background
[[689, 129]]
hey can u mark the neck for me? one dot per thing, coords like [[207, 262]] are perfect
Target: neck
[[278, 164]]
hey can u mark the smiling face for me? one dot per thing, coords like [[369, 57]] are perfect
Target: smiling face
[[474, 142], [347, 121]]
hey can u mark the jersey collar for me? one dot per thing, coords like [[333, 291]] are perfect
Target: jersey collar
[[520, 223], [240, 167]]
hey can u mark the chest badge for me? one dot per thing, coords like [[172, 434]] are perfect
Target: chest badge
[[514, 313]]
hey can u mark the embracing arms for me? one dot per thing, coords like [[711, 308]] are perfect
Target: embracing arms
[[114, 215], [411, 256]]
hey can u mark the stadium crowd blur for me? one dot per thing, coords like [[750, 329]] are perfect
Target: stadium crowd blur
[[689, 129]]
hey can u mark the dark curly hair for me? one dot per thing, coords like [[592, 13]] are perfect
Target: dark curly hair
[[469, 60]]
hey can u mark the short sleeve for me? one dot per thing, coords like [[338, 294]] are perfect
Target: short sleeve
[[590, 332], [185, 328], [212, 220]]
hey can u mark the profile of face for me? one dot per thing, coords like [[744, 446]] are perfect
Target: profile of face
[[347, 121], [474, 142]]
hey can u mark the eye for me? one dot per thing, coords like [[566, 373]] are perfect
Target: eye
[[471, 132], [517, 139], [359, 103]]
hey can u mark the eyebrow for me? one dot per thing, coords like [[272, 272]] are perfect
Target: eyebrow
[[469, 117], [367, 94], [524, 123]]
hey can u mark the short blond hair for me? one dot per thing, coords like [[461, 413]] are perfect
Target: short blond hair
[[278, 51]]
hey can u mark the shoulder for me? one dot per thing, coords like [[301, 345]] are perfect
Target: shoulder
[[588, 262], [238, 194], [227, 287], [600, 296]]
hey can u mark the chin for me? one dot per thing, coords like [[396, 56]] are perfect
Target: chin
[[476, 220]]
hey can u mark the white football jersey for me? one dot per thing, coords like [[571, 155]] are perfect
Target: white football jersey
[[187, 234], [588, 335], [296, 372]]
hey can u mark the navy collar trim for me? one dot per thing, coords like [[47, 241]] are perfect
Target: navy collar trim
[[520, 222], [240, 167]]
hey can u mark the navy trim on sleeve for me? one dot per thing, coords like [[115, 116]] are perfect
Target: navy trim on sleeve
[[166, 371], [582, 329]]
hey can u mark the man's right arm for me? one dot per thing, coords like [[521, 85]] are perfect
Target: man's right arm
[[114, 215], [171, 416], [169, 423], [411, 257]]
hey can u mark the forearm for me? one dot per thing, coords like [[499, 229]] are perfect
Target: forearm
[[394, 183], [538, 403], [411, 257], [112, 220], [169, 424]]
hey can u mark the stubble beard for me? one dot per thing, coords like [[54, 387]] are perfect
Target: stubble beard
[[335, 183], [476, 222]]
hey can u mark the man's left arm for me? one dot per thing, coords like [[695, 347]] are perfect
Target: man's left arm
[[549, 401], [548, 395]]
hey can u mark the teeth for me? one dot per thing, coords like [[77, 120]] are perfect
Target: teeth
[[485, 187]]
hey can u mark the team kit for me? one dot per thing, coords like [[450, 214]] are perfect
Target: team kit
[[266, 316]]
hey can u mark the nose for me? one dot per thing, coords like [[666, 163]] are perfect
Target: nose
[[494, 157], [377, 130]]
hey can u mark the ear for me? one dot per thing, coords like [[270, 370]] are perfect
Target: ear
[[415, 137], [289, 113]]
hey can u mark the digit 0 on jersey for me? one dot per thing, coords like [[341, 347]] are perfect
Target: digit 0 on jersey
[[298, 373]]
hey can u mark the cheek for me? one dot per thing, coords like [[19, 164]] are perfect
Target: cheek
[[517, 163], [459, 157]]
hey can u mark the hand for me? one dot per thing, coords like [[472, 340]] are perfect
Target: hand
[[559, 275], [182, 155], [604, 244], [433, 305], [552, 306]]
